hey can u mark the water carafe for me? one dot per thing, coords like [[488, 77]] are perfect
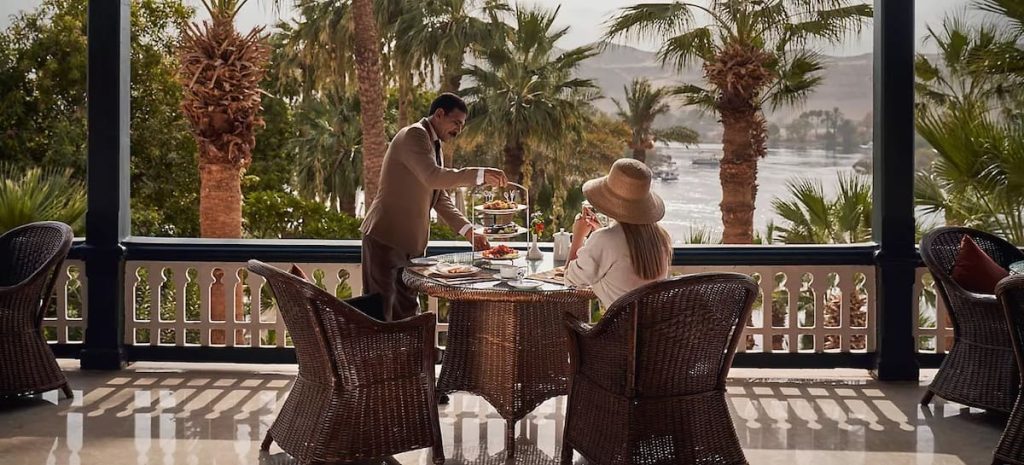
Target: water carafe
[[562, 243]]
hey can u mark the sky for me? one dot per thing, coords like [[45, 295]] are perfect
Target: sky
[[583, 17]]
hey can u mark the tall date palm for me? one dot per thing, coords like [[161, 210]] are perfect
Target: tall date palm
[[524, 90], [754, 53], [644, 104]]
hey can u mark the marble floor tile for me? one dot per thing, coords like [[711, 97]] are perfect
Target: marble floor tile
[[163, 414]]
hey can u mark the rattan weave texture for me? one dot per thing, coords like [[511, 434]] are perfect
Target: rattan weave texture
[[30, 258], [365, 388], [506, 346], [1011, 295], [648, 383], [979, 371]]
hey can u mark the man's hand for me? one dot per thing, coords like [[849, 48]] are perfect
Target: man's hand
[[479, 241], [495, 177]]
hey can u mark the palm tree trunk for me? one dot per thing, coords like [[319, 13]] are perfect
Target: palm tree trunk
[[640, 153], [404, 97], [371, 94], [451, 74], [514, 159], [347, 203], [743, 143], [220, 201]]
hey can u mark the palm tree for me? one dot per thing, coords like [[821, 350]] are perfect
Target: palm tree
[[328, 152], [643, 105], [220, 72], [754, 53], [444, 30], [965, 75], [1008, 58], [524, 91], [371, 94], [38, 194], [978, 178]]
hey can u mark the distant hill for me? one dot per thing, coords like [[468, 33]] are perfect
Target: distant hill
[[847, 80]]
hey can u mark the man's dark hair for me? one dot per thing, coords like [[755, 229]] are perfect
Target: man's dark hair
[[448, 102]]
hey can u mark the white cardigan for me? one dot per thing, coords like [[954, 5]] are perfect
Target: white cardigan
[[603, 263]]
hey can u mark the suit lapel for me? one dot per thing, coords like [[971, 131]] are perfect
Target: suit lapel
[[438, 157]]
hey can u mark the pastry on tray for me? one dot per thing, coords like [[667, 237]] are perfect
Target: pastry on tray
[[507, 228], [501, 252], [500, 204]]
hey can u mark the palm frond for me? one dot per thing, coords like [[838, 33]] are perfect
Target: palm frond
[[798, 74], [689, 47], [650, 21], [680, 134], [694, 95]]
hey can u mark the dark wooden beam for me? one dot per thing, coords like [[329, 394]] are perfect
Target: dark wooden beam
[[893, 221], [107, 220]]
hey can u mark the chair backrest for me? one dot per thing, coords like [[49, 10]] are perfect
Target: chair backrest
[[294, 298], [1011, 295], [317, 321], [940, 247], [30, 259], [685, 332], [31, 250]]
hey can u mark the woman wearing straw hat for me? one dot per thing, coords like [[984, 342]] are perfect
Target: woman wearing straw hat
[[631, 251]]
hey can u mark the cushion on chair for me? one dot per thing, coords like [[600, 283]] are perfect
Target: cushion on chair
[[372, 305], [296, 271], [974, 270]]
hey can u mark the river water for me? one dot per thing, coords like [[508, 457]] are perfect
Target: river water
[[691, 202]]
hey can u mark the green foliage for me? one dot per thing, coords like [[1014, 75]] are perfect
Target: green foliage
[[811, 217], [524, 89], [39, 194], [281, 215], [42, 91], [643, 105], [977, 179]]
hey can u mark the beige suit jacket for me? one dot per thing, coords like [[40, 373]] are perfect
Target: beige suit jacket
[[412, 183]]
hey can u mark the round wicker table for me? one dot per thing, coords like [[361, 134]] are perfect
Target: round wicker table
[[508, 346]]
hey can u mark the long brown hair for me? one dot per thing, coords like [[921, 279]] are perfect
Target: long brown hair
[[650, 249]]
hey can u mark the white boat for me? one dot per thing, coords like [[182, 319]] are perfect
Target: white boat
[[706, 161]]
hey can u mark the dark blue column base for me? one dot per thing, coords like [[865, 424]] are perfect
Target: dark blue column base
[[103, 359]]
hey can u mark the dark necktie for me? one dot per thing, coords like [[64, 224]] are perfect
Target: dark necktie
[[437, 159]]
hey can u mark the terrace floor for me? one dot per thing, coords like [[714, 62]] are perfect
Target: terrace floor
[[217, 414]]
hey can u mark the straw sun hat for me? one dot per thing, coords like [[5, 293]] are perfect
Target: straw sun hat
[[625, 194]]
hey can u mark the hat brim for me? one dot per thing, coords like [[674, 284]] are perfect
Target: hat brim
[[646, 210]]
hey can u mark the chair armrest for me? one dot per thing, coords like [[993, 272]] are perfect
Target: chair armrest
[[575, 325], [600, 352]]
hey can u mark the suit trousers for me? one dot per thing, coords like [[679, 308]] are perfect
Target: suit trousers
[[382, 274]]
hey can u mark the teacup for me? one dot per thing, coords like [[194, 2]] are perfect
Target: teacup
[[510, 271]]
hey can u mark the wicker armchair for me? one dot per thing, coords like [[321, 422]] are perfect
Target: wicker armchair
[[1011, 295], [365, 388], [648, 381], [30, 258], [979, 371]]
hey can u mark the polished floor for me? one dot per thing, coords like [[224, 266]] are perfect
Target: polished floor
[[164, 414]]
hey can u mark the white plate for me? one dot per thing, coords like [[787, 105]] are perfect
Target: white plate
[[506, 257], [525, 284], [443, 270], [519, 231]]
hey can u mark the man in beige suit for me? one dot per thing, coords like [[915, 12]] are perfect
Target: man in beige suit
[[413, 180]]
